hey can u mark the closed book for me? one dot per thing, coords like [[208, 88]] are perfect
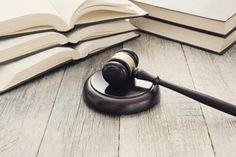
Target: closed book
[[217, 17], [187, 36]]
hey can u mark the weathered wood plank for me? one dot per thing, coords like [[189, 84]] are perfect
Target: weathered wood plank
[[216, 75], [37, 119], [24, 113], [174, 128], [74, 129]]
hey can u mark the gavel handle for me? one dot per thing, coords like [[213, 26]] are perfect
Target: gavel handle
[[200, 97]]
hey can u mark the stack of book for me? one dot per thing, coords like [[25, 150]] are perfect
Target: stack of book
[[206, 24], [38, 35]]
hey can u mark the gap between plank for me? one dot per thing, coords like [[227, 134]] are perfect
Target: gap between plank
[[204, 118], [54, 102], [118, 147]]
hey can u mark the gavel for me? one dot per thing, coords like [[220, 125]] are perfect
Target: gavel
[[123, 66]]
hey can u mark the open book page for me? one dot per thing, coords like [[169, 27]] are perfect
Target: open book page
[[66, 8], [123, 6], [17, 15], [105, 10], [92, 46], [100, 30], [87, 11], [16, 72], [33, 30], [25, 45]]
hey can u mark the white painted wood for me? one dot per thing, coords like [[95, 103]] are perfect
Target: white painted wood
[[174, 128], [48, 117], [216, 75], [75, 130], [24, 113]]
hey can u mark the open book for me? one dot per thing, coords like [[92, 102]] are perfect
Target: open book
[[20, 16], [17, 72], [13, 48]]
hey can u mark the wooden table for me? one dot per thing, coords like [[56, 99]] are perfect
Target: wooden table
[[48, 117]]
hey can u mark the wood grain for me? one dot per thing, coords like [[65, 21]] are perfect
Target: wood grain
[[216, 75], [74, 129], [174, 128], [48, 117], [24, 114]]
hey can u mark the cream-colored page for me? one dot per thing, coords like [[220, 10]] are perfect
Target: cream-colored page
[[124, 6], [12, 10], [100, 30], [24, 45], [19, 71], [98, 10], [96, 45], [73, 10], [66, 8]]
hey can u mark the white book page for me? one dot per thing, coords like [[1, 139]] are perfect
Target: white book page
[[24, 45], [97, 10], [122, 5], [100, 30], [66, 8], [18, 15], [10, 9], [93, 46], [16, 72], [214, 9], [77, 11]]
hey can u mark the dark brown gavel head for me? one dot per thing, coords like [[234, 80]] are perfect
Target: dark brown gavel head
[[119, 69]]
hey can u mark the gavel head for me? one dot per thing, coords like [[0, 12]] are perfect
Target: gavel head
[[119, 69]]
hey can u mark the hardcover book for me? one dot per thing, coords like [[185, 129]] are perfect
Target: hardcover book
[[216, 17], [209, 42]]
